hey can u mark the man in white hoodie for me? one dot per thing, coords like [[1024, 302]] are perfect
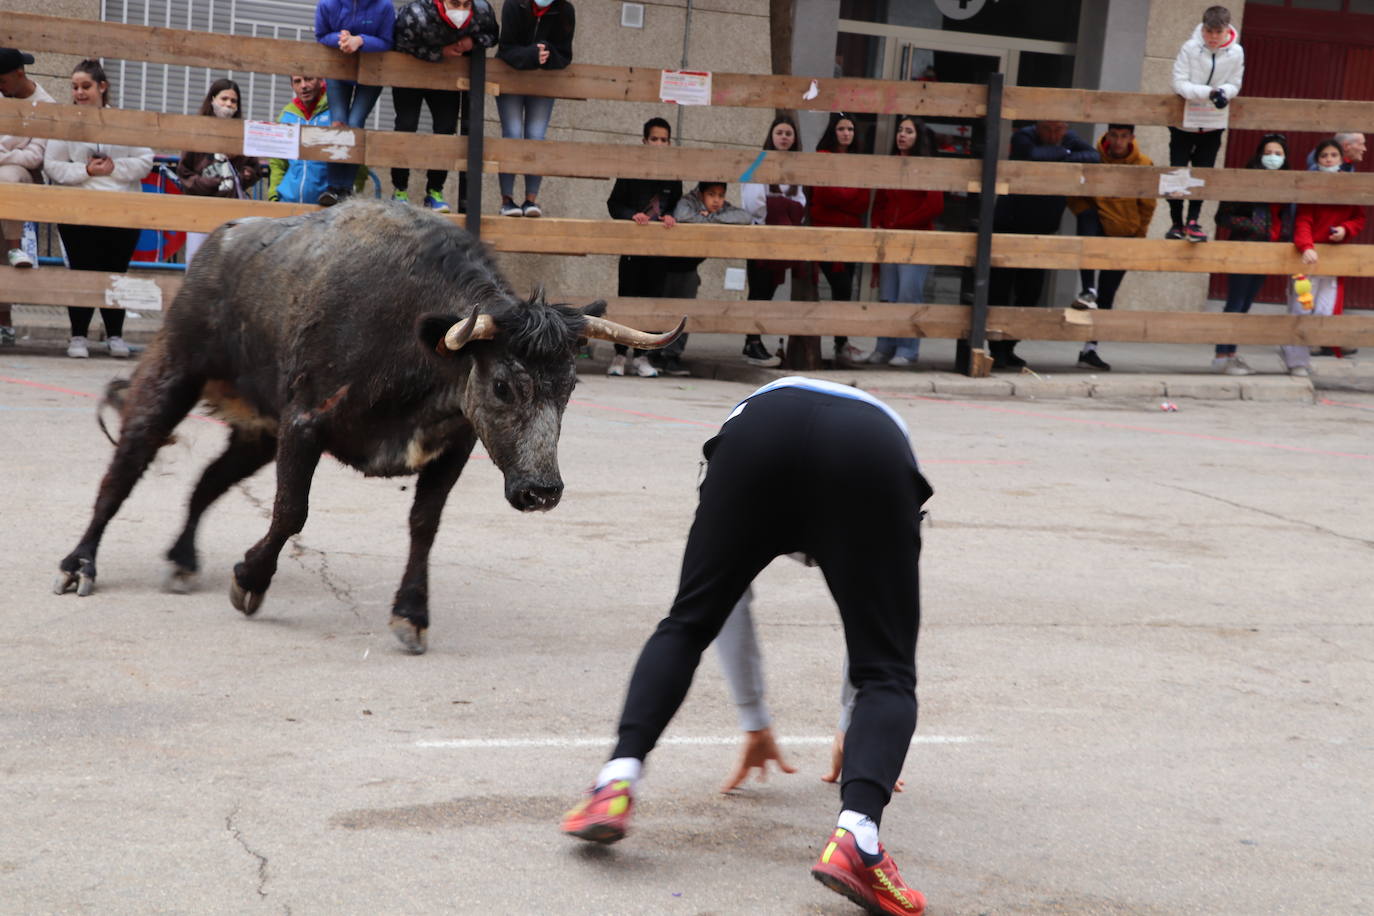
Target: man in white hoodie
[[1209, 67]]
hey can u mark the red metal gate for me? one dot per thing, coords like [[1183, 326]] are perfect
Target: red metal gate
[[1304, 53]]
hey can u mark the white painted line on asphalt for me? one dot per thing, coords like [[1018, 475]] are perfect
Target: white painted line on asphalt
[[463, 744]]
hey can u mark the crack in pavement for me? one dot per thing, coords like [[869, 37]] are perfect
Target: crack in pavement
[[238, 837], [1283, 518], [342, 593]]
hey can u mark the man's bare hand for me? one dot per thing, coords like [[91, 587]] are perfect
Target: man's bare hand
[[640, 218], [837, 763], [759, 748]]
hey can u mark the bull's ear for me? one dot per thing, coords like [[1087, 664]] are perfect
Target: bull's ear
[[431, 328], [596, 309]]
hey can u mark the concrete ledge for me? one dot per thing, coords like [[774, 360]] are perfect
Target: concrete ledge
[[1032, 388], [1284, 389], [958, 386], [1129, 387], [1220, 388]]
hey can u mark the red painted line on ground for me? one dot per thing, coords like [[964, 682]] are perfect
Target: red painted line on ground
[[1154, 430], [646, 416], [86, 394], [1330, 403]]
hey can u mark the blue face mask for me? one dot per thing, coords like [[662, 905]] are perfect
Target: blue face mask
[[1272, 161], [543, 4]]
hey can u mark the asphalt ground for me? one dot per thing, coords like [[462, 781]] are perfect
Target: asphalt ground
[[1145, 674]]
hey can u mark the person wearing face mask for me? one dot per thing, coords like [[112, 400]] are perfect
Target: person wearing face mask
[[436, 31], [775, 205], [217, 174], [1317, 224], [1352, 153], [98, 167], [535, 35], [1248, 221]]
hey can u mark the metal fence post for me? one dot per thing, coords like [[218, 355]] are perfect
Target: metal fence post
[[477, 119], [977, 362]]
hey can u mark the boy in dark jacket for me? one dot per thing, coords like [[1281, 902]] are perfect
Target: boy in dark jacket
[[644, 200], [435, 31]]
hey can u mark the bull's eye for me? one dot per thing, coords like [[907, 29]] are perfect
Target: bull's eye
[[502, 389]]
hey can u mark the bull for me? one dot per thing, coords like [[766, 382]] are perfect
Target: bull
[[376, 332]]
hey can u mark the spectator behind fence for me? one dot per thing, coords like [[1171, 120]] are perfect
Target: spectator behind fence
[[1352, 152], [912, 211], [352, 26], [1030, 214], [643, 200], [97, 167], [1319, 224], [1209, 66], [535, 35], [217, 174], [437, 30], [1113, 217], [705, 203], [840, 208], [1247, 221], [775, 205], [21, 161], [302, 181]]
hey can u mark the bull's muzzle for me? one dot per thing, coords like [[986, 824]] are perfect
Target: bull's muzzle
[[535, 497]]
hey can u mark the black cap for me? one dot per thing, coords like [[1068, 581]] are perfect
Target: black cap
[[12, 59]]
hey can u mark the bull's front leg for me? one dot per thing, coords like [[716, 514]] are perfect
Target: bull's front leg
[[410, 610], [298, 453]]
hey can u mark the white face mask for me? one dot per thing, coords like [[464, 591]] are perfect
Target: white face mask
[[1330, 168], [1272, 161], [223, 111], [457, 18]]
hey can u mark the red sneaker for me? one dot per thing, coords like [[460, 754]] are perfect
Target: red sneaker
[[603, 816], [879, 889]]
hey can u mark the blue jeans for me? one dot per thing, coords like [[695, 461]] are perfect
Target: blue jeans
[[901, 283], [1241, 290], [349, 103], [523, 117]]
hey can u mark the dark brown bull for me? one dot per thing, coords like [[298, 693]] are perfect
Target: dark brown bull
[[375, 332]]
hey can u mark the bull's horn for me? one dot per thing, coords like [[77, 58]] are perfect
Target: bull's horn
[[478, 327], [602, 329]]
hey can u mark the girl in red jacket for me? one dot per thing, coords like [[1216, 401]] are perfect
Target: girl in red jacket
[[905, 210], [843, 208], [1319, 224]]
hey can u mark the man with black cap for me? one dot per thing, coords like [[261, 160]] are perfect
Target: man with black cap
[[21, 159]]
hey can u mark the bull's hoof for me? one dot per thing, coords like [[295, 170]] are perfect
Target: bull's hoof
[[413, 638], [180, 580], [244, 600], [83, 582]]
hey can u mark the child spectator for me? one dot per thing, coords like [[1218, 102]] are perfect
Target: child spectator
[[643, 200], [216, 174], [705, 203], [1352, 151], [844, 208], [909, 210], [351, 26], [437, 30], [774, 205], [1246, 221], [1114, 217], [97, 167], [1319, 223], [1209, 65], [535, 35], [1031, 214]]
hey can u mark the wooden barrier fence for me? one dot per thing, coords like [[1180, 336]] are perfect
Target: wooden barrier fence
[[585, 160]]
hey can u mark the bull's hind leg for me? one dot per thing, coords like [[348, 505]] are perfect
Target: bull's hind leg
[[298, 452], [157, 402], [410, 611], [246, 453]]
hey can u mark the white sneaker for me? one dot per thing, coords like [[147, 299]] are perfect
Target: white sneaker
[[644, 368], [118, 348], [1237, 366], [76, 348], [849, 355], [1300, 372], [877, 359], [1085, 300], [20, 258], [900, 361], [617, 366]]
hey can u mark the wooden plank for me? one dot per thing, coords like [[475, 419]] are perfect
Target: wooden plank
[[60, 287], [801, 243], [94, 38]]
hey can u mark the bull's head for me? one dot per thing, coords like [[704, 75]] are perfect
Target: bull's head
[[521, 375]]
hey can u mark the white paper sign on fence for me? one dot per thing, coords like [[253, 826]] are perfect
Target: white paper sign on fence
[[1201, 114], [270, 140], [685, 87]]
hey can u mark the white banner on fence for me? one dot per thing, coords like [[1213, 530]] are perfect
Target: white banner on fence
[[685, 87], [270, 140], [1201, 114]]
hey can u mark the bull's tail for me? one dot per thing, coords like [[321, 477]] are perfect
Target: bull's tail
[[114, 399]]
